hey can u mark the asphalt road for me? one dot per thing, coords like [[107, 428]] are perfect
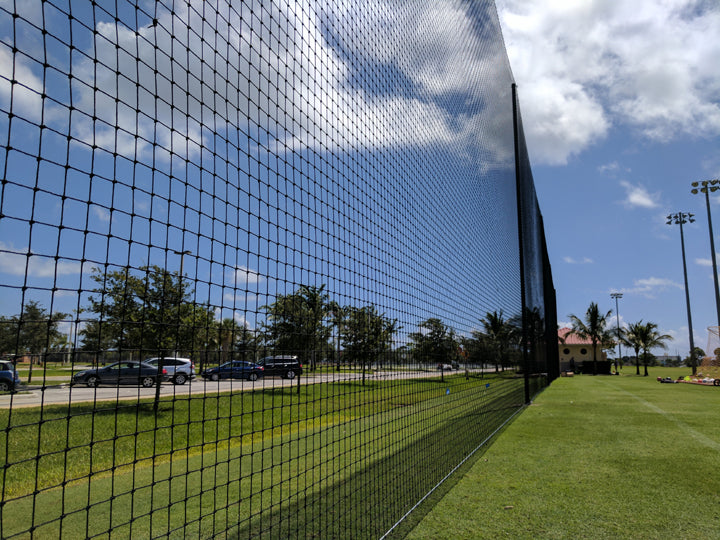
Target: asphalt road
[[60, 393]]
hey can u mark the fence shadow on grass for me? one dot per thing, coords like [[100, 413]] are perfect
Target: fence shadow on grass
[[367, 503]]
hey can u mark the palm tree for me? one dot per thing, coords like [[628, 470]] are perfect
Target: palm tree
[[650, 338], [594, 328], [497, 334], [632, 338], [643, 336]]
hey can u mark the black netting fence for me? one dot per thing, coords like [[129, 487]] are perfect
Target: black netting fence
[[267, 269]]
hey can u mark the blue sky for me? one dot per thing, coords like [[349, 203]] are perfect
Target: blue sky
[[621, 111], [274, 141]]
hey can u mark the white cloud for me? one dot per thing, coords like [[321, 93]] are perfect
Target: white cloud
[[101, 213], [651, 286], [613, 168], [706, 262], [146, 100], [583, 66], [239, 298], [245, 276], [17, 263], [609, 167], [240, 319], [639, 196], [25, 93], [584, 260]]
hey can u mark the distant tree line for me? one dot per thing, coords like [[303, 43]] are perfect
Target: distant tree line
[[32, 332], [150, 311]]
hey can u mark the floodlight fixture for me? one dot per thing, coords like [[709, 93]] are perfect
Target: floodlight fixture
[[709, 186]]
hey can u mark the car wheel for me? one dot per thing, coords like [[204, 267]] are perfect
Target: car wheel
[[147, 382], [5, 387], [180, 378], [253, 377], [716, 382], [93, 382], [214, 377], [290, 375]]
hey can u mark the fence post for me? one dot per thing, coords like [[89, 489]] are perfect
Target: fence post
[[520, 221]]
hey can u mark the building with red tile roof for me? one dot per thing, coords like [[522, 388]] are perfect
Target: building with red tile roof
[[575, 350]]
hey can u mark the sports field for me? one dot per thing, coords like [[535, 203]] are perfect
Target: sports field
[[268, 463], [595, 457]]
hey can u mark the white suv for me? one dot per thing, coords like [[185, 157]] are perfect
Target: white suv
[[180, 370]]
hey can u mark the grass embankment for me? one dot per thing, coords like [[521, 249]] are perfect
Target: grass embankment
[[263, 462], [595, 457]]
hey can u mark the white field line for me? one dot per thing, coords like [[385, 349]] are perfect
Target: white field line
[[699, 437]]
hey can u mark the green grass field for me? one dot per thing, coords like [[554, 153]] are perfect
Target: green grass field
[[251, 463], [595, 457]]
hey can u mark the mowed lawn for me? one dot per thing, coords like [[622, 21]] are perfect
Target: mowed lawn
[[595, 457]]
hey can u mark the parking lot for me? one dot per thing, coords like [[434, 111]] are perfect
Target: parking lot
[[55, 392]]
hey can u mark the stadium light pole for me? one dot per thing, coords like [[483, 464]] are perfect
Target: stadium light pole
[[182, 258], [680, 218], [616, 296], [161, 362], [706, 187], [182, 265]]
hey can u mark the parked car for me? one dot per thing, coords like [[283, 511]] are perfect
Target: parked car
[[444, 367], [136, 373], [287, 367], [234, 370], [180, 370], [9, 378]]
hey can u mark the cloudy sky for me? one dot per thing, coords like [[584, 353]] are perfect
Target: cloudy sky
[[217, 112], [620, 102], [621, 111]]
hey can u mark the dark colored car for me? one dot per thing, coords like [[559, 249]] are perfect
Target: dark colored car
[[134, 373], [234, 370], [9, 378], [287, 367]]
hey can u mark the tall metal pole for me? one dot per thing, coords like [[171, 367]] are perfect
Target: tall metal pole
[[182, 264], [680, 219], [161, 362], [707, 187], [182, 259], [617, 295]]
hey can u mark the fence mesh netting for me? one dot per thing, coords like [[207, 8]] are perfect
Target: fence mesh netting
[[267, 269]]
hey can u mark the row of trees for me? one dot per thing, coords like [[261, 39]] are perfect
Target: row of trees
[[33, 331], [638, 336], [151, 312]]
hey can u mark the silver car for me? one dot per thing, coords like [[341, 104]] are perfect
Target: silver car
[[180, 370]]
